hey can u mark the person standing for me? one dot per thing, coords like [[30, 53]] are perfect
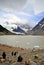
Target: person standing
[[4, 55]]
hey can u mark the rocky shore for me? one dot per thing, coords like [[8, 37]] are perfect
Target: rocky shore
[[26, 54]]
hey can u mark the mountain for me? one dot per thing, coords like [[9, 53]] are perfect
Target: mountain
[[39, 28], [16, 28], [4, 31], [26, 27], [37, 18], [19, 30], [11, 30]]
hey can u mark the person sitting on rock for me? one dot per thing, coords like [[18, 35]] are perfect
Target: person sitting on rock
[[19, 59]]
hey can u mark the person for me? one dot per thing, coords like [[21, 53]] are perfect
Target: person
[[4, 55], [15, 53], [19, 59], [36, 56], [12, 53]]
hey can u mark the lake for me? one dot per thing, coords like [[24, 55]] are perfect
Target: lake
[[24, 41]]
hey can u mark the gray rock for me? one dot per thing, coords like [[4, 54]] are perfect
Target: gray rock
[[33, 63], [42, 63]]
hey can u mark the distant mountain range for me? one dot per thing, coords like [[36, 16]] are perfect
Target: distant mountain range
[[15, 31], [37, 30], [25, 28], [19, 30]]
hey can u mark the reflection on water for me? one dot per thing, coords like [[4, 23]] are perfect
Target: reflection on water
[[27, 41]]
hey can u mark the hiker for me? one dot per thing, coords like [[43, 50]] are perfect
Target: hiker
[[12, 53], [19, 59], [36, 56], [15, 53], [4, 55]]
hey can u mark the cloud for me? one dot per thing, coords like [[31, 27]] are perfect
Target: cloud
[[27, 6], [12, 4], [29, 9], [34, 6], [38, 6], [12, 18], [20, 11], [17, 5]]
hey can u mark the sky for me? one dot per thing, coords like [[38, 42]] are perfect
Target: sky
[[20, 11]]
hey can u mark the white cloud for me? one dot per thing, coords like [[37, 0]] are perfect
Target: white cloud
[[11, 18], [27, 6], [12, 4], [22, 13], [38, 6], [16, 5], [13, 8]]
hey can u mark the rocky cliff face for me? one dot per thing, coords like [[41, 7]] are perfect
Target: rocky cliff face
[[39, 28]]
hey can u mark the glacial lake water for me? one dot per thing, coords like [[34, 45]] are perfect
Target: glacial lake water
[[24, 41]]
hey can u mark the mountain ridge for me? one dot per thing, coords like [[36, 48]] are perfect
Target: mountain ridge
[[39, 28]]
